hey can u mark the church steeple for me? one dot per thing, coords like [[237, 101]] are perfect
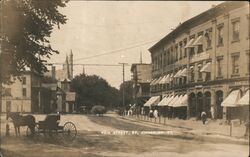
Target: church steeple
[[140, 58], [71, 65]]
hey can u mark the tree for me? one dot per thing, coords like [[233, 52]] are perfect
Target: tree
[[26, 27], [93, 90], [128, 93]]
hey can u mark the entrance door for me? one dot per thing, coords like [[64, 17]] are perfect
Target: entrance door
[[199, 105], [207, 104], [219, 108]]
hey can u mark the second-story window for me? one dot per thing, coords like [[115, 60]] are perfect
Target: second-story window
[[176, 53], [236, 30], [248, 62], [7, 92], [199, 72], [208, 36], [180, 55], [220, 35], [24, 92], [164, 59], [24, 80], [192, 73], [168, 56], [185, 50], [219, 66], [235, 63]]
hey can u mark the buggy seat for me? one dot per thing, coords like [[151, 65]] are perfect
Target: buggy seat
[[51, 122]]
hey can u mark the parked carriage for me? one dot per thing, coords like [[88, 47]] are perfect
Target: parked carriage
[[50, 127]]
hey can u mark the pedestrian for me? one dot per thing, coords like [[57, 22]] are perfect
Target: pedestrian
[[212, 113], [156, 113], [151, 113], [247, 128], [203, 117]]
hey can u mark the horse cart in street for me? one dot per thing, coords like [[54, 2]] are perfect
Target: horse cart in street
[[50, 127]]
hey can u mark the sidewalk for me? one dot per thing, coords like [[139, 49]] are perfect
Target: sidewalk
[[212, 128]]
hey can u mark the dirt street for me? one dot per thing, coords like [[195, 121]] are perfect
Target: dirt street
[[94, 140]]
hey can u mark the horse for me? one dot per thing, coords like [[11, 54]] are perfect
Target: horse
[[20, 120]]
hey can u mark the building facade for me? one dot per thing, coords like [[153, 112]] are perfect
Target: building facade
[[141, 77], [204, 58], [23, 94]]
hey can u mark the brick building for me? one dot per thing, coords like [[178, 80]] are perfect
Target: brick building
[[203, 62]]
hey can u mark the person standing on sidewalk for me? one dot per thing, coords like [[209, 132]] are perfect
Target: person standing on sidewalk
[[203, 117], [156, 113]]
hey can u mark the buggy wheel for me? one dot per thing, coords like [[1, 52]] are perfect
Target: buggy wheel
[[29, 133], [69, 131]]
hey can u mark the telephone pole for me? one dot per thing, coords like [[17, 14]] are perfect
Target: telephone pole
[[123, 80]]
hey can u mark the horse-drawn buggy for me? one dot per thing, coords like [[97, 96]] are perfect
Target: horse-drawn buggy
[[49, 127]]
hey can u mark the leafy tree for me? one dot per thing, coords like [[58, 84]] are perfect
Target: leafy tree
[[93, 90], [128, 93], [27, 26]]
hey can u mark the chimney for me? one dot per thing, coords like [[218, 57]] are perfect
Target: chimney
[[53, 72]]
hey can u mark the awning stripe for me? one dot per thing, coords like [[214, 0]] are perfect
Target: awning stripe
[[189, 44], [198, 41], [232, 99], [244, 100], [206, 68]]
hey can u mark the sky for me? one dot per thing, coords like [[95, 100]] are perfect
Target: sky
[[123, 29]]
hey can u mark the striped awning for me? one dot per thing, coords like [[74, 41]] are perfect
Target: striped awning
[[161, 103], [172, 102], [163, 80], [152, 82], [177, 74], [182, 101], [152, 101], [158, 80], [183, 73], [244, 100], [198, 41], [189, 44], [206, 68], [232, 99]]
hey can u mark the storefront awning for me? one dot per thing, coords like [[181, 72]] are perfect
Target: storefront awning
[[206, 68], [161, 103], [152, 101], [182, 102], [152, 82], [183, 73], [244, 100], [232, 99], [157, 81], [172, 102], [166, 79], [177, 74], [189, 44], [198, 41], [163, 80]]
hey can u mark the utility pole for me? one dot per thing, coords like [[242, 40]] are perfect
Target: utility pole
[[123, 80]]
